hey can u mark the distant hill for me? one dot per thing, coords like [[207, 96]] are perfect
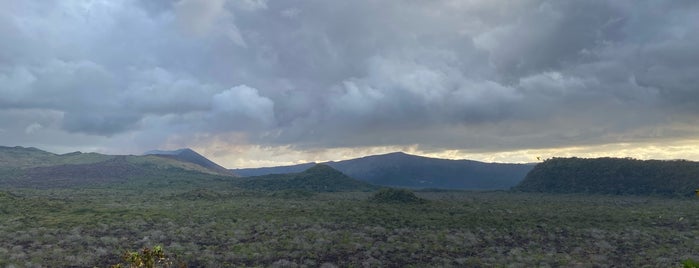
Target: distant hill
[[249, 172], [189, 155], [319, 178], [404, 170], [23, 157], [114, 170], [613, 176], [34, 168]]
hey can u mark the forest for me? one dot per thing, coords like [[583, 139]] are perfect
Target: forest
[[619, 176]]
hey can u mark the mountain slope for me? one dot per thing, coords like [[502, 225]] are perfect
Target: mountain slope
[[404, 170], [249, 172], [319, 178], [23, 157], [189, 155], [613, 176], [115, 170], [34, 168]]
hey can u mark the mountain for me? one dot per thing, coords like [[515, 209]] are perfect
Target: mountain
[[613, 176], [404, 170], [249, 172], [35, 168], [189, 155], [319, 178]]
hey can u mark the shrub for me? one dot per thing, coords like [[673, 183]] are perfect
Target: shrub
[[146, 258], [399, 196]]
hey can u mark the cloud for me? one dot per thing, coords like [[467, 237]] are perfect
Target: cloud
[[197, 16], [479, 76], [202, 17], [34, 127], [241, 108]]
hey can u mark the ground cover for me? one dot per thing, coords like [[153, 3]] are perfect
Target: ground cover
[[234, 227]]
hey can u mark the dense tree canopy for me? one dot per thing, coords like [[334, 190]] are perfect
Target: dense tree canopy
[[613, 176]]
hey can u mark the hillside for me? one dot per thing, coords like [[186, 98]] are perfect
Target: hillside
[[249, 172], [34, 168], [319, 178], [404, 170], [190, 156], [23, 157], [613, 176]]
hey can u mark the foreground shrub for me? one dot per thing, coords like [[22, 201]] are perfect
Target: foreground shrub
[[146, 258], [689, 263]]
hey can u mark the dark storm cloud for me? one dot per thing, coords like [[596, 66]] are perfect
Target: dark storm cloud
[[481, 75]]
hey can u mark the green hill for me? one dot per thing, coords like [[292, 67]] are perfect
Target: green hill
[[34, 168], [320, 178], [23, 157], [622, 176]]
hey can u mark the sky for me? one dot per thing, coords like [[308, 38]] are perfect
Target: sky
[[253, 83]]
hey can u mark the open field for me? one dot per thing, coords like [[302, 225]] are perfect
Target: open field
[[205, 227]]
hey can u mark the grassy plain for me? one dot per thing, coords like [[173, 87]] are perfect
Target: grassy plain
[[230, 227]]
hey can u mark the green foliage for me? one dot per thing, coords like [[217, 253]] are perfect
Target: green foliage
[[401, 196], [613, 176], [689, 263]]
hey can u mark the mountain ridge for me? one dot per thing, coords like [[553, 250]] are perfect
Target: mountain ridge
[[399, 169], [191, 156], [35, 168]]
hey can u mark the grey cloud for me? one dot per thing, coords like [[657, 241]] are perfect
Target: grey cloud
[[474, 75], [242, 108], [202, 17], [105, 124]]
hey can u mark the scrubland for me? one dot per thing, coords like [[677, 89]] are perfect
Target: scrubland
[[221, 227]]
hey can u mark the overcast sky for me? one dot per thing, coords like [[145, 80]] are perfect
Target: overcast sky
[[258, 83]]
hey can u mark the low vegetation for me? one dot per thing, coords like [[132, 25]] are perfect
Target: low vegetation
[[230, 227], [158, 214]]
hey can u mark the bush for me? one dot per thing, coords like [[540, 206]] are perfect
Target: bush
[[400, 196], [146, 258]]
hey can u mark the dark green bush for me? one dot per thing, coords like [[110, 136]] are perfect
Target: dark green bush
[[400, 196]]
